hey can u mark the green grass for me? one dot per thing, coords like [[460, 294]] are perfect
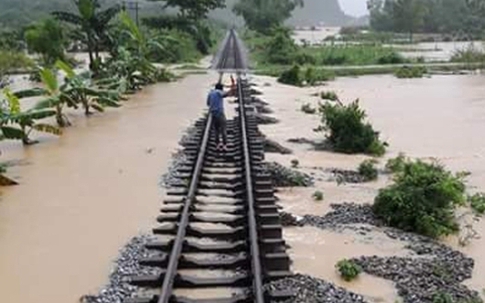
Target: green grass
[[477, 203], [406, 72], [352, 54]]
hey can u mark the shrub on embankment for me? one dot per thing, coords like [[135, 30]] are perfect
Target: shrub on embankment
[[347, 130], [422, 198]]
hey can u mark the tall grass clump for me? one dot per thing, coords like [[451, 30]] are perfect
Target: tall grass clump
[[422, 198], [367, 169], [291, 76], [405, 72], [469, 55], [348, 132]]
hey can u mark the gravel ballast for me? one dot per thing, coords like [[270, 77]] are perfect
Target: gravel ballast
[[312, 290]]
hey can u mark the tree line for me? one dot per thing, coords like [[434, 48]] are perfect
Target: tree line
[[464, 18]]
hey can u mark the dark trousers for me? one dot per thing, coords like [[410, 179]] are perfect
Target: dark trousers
[[219, 125]]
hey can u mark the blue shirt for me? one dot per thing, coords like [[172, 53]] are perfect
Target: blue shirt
[[215, 101]]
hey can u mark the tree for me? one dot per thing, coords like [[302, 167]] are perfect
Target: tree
[[92, 23], [47, 39], [408, 16], [195, 9], [263, 15]]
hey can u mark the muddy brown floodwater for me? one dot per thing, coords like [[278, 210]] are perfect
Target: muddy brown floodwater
[[441, 116], [83, 195]]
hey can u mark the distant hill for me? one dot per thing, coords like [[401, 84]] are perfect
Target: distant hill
[[21, 12]]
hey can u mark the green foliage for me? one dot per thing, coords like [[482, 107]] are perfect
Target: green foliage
[[468, 55], [18, 124], [367, 169], [47, 39], [11, 40], [441, 297], [291, 76], [317, 196], [477, 202], [194, 9], [262, 16], [422, 199], [308, 109], [11, 61], [329, 95], [348, 132], [295, 163], [281, 49], [455, 17], [348, 269], [314, 76], [397, 164], [353, 54], [405, 72], [181, 47], [92, 24]]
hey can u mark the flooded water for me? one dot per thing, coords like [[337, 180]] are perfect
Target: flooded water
[[439, 51], [441, 116], [83, 195], [317, 253], [430, 51]]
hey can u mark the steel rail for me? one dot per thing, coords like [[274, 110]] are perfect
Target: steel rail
[[170, 274], [253, 231]]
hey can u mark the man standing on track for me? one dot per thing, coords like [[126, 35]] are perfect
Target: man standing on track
[[215, 101]]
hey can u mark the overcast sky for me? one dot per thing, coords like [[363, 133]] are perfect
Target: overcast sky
[[354, 7]]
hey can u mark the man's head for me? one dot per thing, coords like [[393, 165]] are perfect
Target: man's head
[[219, 86]]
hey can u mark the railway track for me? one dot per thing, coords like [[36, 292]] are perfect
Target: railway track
[[222, 235]]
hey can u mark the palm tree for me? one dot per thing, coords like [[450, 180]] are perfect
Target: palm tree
[[92, 23]]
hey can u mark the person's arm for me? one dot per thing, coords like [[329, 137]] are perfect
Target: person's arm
[[208, 100]]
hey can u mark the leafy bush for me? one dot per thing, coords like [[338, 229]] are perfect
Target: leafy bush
[[422, 199], [348, 132], [308, 109], [396, 164], [281, 49], [317, 196], [368, 170], [391, 58], [477, 202], [411, 72], [295, 163], [291, 76], [348, 269], [329, 95], [314, 76]]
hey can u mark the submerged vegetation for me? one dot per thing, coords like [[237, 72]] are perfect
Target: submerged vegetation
[[347, 130], [422, 198], [367, 169], [348, 269]]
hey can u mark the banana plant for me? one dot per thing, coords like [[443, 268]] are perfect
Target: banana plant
[[55, 96], [82, 90], [18, 124]]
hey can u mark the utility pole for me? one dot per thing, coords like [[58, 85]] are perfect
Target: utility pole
[[132, 6]]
